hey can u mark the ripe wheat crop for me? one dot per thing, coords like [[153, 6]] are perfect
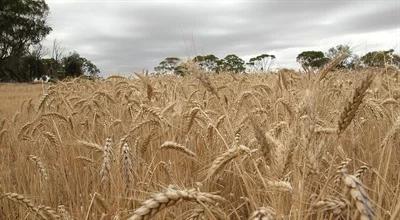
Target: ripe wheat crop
[[283, 145]]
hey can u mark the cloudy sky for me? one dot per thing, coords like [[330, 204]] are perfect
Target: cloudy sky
[[123, 36]]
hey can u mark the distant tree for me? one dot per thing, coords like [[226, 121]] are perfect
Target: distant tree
[[74, 65], [182, 69], [25, 68], [22, 69], [168, 65], [22, 24], [352, 60], [208, 63], [53, 68], [89, 68], [261, 62], [381, 58], [231, 63], [33, 67], [339, 49], [312, 59], [57, 51]]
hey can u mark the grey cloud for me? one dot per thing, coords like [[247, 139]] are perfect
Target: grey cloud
[[128, 36]]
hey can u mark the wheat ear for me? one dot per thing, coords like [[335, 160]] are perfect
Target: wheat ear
[[105, 172], [90, 145], [282, 186], [169, 197], [358, 194], [332, 64], [40, 166], [333, 205], [50, 213], [20, 199], [127, 170], [263, 141], [64, 214], [220, 162], [263, 213], [206, 82], [351, 108], [178, 147], [360, 171]]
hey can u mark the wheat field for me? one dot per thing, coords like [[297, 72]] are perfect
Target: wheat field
[[284, 145]]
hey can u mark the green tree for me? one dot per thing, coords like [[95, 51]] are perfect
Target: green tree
[[231, 63], [381, 58], [181, 69], [33, 67], [74, 65], [261, 62], [312, 60], [208, 62], [89, 68], [28, 68], [168, 65], [22, 24]]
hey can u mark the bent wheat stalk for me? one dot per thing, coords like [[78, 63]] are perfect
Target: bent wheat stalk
[[168, 198], [220, 162], [20, 199], [178, 147]]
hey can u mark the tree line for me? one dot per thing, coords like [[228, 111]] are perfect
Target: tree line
[[22, 27], [22, 58], [308, 60]]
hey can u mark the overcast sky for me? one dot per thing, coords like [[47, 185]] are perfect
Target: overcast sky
[[123, 36]]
